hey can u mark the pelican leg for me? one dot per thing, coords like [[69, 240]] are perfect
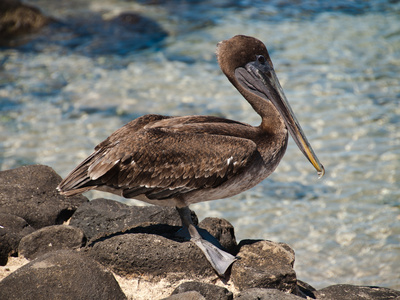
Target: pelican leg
[[219, 259]]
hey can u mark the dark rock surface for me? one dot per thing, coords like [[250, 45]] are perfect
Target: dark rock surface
[[92, 34], [208, 291], [191, 295], [133, 240], [30, 193], [354, 292], [265, 294], [61, 275], [49, 239], [103, 216], [264, 264], [222, 230], [17, 18], [12, 229], [152, 250], [15, 224], [86, 31], [143, 26]]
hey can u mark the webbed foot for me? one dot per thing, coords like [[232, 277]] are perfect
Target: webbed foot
[[219, 259]]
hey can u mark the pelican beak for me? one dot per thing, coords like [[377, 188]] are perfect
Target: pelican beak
[[259, 78]]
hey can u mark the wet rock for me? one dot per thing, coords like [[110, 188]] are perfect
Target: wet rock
[[264, 264], [86, 32], [30, 193], [222, 230], [120, 35], [192, 295], [17, 18], [354, 292], [123, 34], [152, 250], [12, 229], [135, 22], [61, 275], [265, 294], [208, 291], [103, 216], [49, 239]]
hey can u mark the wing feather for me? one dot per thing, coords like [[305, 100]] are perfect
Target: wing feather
[[162, 161]]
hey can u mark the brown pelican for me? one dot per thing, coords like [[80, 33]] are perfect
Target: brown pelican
[[177, 161]]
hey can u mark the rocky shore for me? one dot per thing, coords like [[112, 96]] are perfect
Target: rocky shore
[[72, 248], [24, 26]]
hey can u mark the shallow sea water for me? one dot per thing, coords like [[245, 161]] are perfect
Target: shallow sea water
[[339, 65]]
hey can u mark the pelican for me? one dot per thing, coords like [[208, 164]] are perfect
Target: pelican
[[177, 161]]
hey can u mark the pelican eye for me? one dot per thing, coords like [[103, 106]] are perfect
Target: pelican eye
[[261, 59]]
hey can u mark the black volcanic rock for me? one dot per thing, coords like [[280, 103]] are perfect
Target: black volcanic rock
[[265, 294], [61, 275], [222, 230], [354, 292], [49, 239], [191, 295], [12, 230], [103, 216], [264, 264], [15, 224], [30, 193], [152, 250], [143, 240], [208, 291]]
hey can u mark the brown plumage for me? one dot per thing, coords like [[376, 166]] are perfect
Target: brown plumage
[[165, 157], [176, 161]]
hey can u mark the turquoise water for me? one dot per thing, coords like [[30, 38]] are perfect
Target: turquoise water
[[338, 63]]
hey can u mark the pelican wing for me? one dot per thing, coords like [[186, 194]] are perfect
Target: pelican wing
[[162, 161]]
